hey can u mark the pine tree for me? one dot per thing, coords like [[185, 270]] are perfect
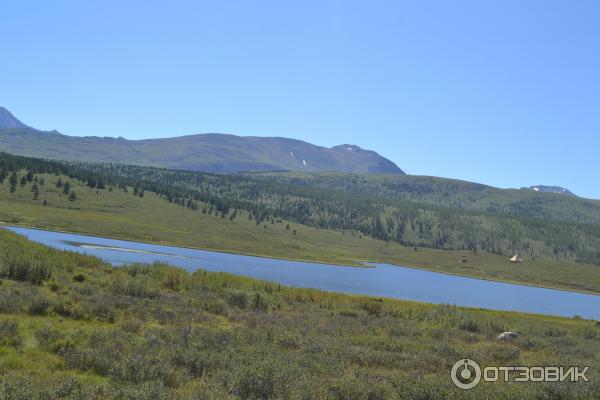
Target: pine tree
[[13, 182], [66, 187], [35, 190]]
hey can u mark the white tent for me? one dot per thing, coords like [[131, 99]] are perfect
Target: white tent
[[516, 259]]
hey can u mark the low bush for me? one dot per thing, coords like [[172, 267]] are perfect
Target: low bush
[[154, 332], [9, 333]]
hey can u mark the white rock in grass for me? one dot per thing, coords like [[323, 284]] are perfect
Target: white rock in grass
[[507, 336]]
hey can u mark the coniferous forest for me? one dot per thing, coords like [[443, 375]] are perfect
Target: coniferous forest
[[413, 211]]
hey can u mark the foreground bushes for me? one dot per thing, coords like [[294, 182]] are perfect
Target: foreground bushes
[[157, 332], [23, 267], [9, 333]]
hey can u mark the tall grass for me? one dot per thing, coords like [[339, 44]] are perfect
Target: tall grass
[[85, 330]]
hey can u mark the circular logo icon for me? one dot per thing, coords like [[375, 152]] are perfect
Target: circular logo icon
[[465, 374]]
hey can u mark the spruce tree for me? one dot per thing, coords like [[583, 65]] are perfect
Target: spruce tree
[[13, 182], [36, 191]]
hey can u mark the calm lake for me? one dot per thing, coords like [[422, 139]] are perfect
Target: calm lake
[[382, 281]]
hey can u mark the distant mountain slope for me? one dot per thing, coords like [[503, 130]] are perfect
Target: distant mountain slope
[[7, 120], [450, 193], [550, 189], [211, 152]]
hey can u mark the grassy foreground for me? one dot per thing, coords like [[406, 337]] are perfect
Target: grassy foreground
[[73, 327], [150, 218]]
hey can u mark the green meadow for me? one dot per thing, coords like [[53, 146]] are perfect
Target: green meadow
[[73, 327], [122, 215]]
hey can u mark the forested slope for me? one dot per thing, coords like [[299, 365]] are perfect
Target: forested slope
[[147, 208], [412, 211]]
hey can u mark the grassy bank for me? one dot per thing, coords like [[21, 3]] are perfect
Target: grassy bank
[[74, 327], [150, 218]]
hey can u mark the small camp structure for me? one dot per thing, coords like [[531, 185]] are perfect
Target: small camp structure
[[516, 259], [463, 260]]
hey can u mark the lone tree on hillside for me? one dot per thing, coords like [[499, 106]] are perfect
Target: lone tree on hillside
[[13, 182], [36, 191]]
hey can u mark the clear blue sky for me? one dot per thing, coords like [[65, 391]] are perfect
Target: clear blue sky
[[501, 92]]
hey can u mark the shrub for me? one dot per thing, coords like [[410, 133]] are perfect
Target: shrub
[[261, 381], [140, 285], [237, 299], [23, 267], [503, 353], [373, 308], [348, 313], [9, 333], [468, 324], [357, 390], [195, 362], [66, 309], [259, 303], [132, 325], [50, 339], [165, 315], [39, 306], [103, 308], [171, 278]]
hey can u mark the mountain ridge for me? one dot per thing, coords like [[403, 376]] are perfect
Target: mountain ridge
[[7, 120], [206, 152], [550, 189]]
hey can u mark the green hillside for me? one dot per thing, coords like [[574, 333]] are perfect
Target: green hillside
[[422, 212], [126, 211], [450, 193], [72, 327]]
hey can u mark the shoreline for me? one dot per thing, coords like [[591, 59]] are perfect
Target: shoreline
[[360, 263]]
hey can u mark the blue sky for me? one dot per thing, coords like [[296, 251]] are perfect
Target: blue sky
[[501, 92]]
